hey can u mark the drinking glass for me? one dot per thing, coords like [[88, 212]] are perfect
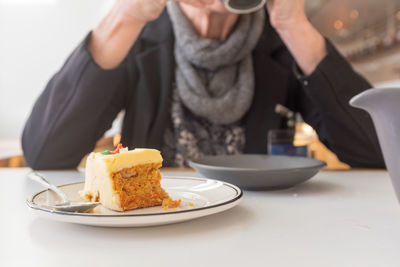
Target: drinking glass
[[281, 142]]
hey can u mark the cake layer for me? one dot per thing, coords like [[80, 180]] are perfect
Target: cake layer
[[139, 186]]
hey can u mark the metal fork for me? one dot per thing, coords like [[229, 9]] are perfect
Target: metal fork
[[65, 204]]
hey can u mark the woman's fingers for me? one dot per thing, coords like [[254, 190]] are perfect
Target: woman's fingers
[[208, 2], [270, 3]]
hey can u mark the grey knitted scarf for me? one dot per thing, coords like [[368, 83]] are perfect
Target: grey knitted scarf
[[215, 79]]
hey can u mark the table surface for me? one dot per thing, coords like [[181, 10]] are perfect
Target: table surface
[[336, 219]]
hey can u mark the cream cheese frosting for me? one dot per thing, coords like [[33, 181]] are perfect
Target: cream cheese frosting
[[127, 158]]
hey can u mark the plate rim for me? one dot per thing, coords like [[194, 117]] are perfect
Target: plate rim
[[195, 163], [239, 196]]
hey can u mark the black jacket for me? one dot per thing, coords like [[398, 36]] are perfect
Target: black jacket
[[81, 101]]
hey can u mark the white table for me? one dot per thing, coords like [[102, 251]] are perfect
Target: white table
[[336, 219]]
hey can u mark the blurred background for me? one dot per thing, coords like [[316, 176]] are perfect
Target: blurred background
[[36, 36]]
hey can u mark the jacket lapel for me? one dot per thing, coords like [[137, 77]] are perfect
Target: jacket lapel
[[272, 82], [154, 85], [154, 94]]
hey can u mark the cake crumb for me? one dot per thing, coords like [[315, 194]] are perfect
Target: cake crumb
[[168, 203], [190, 204]]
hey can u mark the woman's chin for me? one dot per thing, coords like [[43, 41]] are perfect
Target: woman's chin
[[217, 7]]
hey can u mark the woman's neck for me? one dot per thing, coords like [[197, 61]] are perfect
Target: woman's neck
[[208, 24]]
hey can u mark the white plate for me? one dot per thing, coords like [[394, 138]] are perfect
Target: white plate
[[208, 196]]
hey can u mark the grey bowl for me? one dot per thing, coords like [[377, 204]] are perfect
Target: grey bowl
[[258, 172]]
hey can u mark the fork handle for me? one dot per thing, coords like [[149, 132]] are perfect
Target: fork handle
[[37, 177]]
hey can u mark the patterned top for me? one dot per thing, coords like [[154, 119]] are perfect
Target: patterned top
[[191, 137]]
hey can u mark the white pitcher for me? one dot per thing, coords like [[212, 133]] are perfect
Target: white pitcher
[[384, 107]]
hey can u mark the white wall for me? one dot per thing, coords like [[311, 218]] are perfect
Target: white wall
[[36, 36]]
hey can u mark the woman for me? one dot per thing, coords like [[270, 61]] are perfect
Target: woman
[[195, 79]]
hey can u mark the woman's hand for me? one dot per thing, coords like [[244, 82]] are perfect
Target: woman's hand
[[112, 39], [284, 14], [305, 43], [148, 10]]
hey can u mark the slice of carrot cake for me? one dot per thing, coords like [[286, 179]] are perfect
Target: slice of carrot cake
[[125, 179]]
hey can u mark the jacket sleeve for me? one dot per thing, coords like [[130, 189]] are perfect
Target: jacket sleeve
[[324, 104], [77, 106]]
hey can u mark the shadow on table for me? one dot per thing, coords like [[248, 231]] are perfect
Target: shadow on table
[[318, 188], [312, 188], [46, 233]]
